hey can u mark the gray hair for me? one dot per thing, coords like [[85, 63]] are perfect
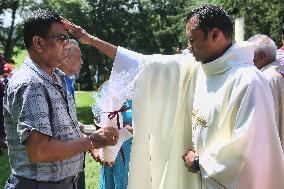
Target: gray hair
[[71, 44], [265, 45]]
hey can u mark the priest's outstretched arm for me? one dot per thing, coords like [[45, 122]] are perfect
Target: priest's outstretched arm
[[85, 38]]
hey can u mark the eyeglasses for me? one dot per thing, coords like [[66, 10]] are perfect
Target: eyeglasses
[[61, 38]]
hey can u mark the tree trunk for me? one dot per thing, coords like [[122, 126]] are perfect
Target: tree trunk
[[8, 49]]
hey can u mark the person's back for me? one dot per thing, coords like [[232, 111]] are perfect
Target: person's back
[[266, 60]]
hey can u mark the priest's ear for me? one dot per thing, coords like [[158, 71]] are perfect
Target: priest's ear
[[215, 34], [38, 43]]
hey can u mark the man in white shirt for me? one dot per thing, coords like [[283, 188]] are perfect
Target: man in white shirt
[[217, 105], [265, 60]]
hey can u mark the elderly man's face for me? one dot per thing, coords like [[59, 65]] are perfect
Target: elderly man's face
[[73, 60], [76, 61]]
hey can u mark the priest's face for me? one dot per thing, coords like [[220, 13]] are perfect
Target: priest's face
[[200, 45]]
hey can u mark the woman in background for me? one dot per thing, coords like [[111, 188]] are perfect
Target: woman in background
[[115, 175]]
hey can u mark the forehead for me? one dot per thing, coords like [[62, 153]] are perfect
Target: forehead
[[57, 28], [191, 25], [191, 28], [76, 50]]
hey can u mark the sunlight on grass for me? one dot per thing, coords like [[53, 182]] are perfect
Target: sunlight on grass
[[84, 102], [92, 172]]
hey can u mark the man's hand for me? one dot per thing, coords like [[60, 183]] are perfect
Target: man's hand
[[77, 31], [95, 154], [188, 159], [85, 38], [103, 137]]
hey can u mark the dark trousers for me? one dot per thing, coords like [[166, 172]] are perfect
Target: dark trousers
[[81, 180], [16, 182]]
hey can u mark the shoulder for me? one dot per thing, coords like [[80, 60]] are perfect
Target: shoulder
[[248, 73], [273, 73], [247, 77], [24, 80]]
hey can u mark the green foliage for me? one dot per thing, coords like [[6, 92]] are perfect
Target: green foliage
[[261, 16], [4, 168], [146, 26], [19, 57]]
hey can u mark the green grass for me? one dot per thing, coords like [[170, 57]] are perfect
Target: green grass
[[92, 173], [19, 58], [4, 168], [84, 101]]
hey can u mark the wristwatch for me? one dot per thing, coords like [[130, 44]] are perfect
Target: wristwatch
[[196, 163]]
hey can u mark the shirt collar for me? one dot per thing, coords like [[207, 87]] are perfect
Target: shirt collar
[[238, 53], [274, 65], [28, 62]]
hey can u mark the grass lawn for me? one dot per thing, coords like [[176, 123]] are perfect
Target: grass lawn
[[84, 101], [4, 168]]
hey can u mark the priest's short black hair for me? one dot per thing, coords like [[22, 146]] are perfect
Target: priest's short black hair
[[210, 16]]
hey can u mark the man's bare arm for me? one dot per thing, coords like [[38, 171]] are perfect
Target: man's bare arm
[[42, 148]]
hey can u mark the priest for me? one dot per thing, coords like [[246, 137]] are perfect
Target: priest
[[201, 121]]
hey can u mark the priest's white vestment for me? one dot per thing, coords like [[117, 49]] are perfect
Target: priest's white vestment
[[223, 110]]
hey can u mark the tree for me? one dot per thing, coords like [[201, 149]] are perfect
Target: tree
[[11, 36], [261, 16]]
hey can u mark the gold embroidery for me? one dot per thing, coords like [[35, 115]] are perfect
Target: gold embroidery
[[198, 120]]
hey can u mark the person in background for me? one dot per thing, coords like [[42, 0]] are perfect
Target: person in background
[[280, 51], [45, 145], [265, 60], [114, 175], [71, 66], [3, 145]]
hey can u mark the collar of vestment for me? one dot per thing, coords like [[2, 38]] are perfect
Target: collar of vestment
[[276, 66], [28, 62], [238, 53]]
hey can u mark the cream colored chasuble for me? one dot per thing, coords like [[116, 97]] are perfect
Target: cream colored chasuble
[[216, 108], [276, 82]]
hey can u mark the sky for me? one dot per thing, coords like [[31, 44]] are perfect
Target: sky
[[7, 19]]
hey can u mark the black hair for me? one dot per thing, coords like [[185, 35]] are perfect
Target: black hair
[[38, 23], [211, 16]]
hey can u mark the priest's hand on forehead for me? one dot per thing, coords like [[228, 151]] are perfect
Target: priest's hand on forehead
[[78, 32]]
